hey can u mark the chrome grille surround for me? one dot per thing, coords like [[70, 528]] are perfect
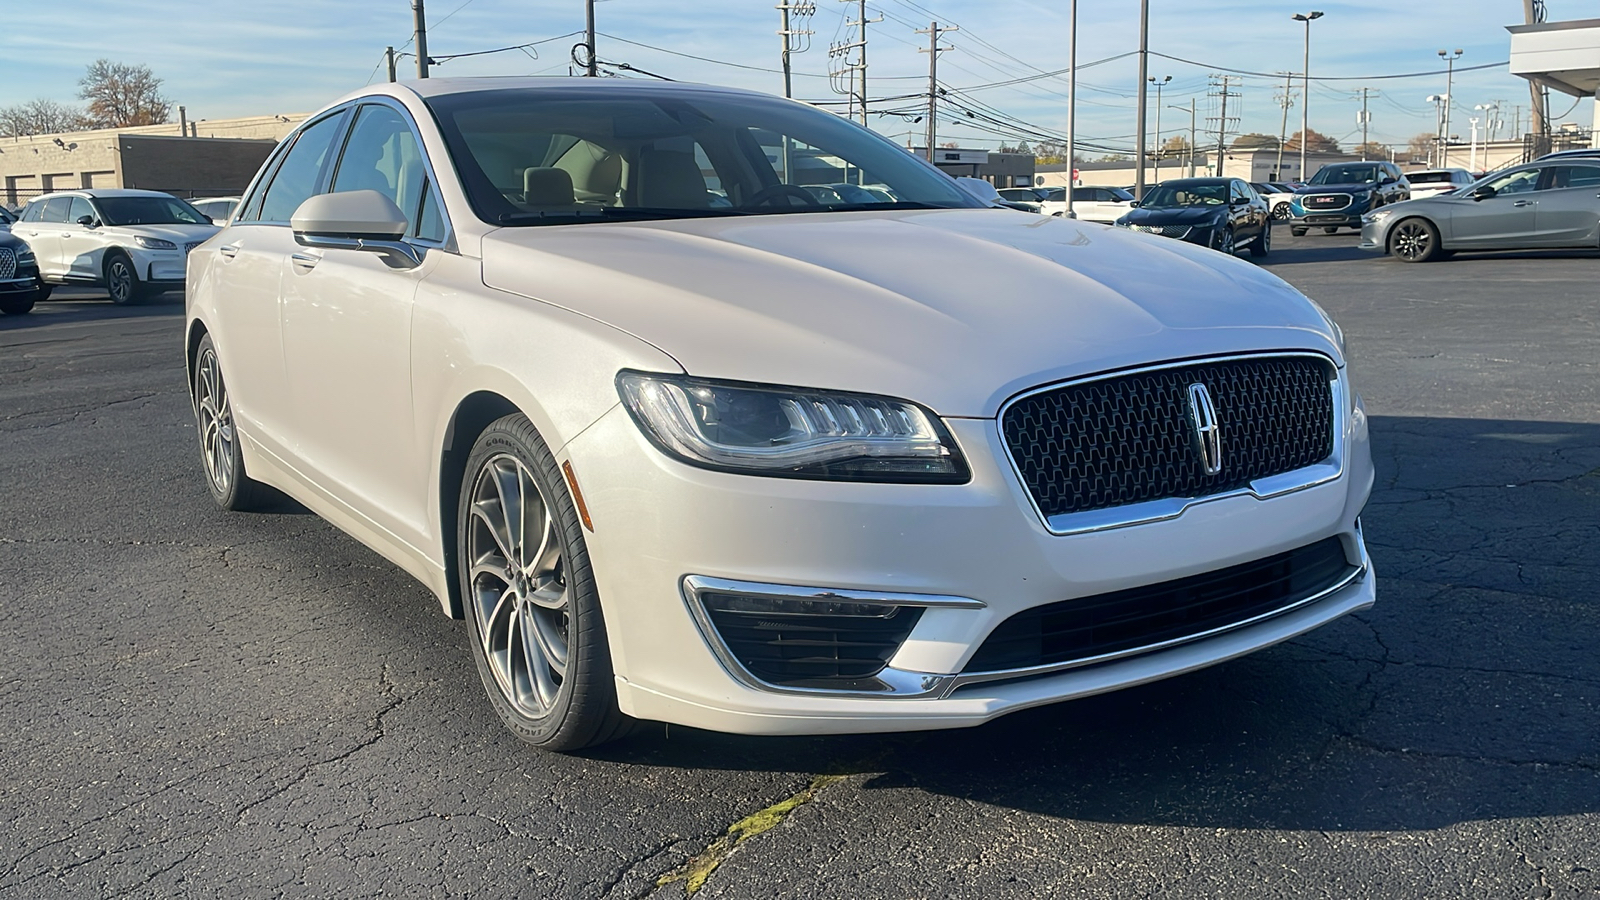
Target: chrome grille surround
[[1159, 509]]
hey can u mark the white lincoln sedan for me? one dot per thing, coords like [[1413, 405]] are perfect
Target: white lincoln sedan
[[682, 441]]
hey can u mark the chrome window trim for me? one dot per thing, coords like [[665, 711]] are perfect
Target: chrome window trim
[[900, 683], [1329, 469], [1356, 573]]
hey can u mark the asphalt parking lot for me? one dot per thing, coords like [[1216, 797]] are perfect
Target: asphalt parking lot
[[200, 704]]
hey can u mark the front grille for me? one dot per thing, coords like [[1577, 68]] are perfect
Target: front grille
[[1161, 614], [1131, 438], [1326, 201], [8, 262], [840, 652], [1171, 231]]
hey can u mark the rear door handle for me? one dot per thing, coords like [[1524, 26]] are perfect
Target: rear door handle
[[229, 251]]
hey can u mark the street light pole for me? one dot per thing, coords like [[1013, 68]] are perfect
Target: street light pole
[[1144, 73], [1159, 85], [1072, 103], [1305, 87], [1449, 79]]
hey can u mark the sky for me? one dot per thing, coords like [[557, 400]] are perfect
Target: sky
[[224, 58]]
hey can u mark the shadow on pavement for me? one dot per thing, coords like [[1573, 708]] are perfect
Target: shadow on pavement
[[88, 306], [1468, 693]]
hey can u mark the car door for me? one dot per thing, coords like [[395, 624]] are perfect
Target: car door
[[1504, 220], [347, 336], [1569, 208], [247, 263], [41, 226], [82, 246]]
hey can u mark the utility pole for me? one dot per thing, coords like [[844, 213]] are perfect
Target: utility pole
[[591, 67], [854, 73], [1449, 85], [1286, 100], [1144, 73], [933, 31], [1366, 120], [388, 57], [1072, 105], [1439, 151], [1192, 136], [1159, 85], [419, 36], [1539, 113], [794, 38], [1223, 91]]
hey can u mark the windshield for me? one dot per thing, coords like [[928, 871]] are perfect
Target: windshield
[[544, 156], [147, 211], [1169, 196], [1346, 175]]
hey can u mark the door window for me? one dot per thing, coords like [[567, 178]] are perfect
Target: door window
[[55, 210], [1575, 177], [382, 155], [1519, 182], [296, 178], [80, 208]]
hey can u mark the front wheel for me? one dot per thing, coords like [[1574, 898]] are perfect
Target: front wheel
[[1281, 212], [122, 282], [1223, 241], [533, 613], [1415, 241], [18, 304]]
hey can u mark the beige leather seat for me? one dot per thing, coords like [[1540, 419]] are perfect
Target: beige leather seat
[[671, 179], [547, 187]]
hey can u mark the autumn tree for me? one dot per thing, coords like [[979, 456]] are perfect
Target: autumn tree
[[41, 117], [121, 95], [1372, 150], [1420, 147], [1177, 144], [1316, 142], [1255, 141]]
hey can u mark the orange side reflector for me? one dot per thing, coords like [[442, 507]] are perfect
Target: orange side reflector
[[577, 496]]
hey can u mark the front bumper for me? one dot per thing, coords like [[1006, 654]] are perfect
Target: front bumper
[[658, 523], [24, 281], [1375, 234], [160, 267]]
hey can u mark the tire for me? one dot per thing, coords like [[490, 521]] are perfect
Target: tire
[[18, 305], [43, 293], [1298, 232], [1414, 240], [230, 486], [533, 614], [1222, 242], [1333, 229], [1281, 212], [1263, 244], [122, 282]]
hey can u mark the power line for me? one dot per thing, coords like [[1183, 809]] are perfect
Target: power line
[[1327, 77]]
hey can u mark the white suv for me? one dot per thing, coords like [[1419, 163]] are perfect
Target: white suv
[[132, 243]]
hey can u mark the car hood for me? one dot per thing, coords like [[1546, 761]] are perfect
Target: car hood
[[178, 234], [956, 309], [1185, 215], [1351, 188]]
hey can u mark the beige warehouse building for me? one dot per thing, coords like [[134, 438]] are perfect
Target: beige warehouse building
[[216, 158]]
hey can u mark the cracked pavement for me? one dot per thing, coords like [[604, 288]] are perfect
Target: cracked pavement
[[200, 704]]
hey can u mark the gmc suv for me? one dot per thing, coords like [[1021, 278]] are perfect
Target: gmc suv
[[1341, 193]]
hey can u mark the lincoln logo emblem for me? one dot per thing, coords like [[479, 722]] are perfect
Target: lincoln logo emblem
[[1207, 430]]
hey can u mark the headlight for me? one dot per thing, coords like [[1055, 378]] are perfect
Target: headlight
[[791, 432], [150, 243], [1361, 196]]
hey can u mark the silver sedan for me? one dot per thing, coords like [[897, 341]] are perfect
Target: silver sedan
[[1549, 204]]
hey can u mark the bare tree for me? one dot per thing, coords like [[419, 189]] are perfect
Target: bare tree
[[1420, 148], [120, 95], [41, 116]]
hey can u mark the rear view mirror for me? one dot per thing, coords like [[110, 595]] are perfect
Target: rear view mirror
[[355, 220]]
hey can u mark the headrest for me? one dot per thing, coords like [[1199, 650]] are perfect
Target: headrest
[[546, 187], [671, 179]]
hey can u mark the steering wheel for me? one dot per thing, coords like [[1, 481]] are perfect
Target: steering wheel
[[772, 192]]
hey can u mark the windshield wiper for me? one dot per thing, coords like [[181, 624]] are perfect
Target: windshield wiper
[[610, 214]]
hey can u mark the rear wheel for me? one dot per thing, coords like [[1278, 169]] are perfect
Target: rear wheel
[[1263, 244], [1414, 241], [1281, 212], [1298, 232], [122, 282], [533, 614]]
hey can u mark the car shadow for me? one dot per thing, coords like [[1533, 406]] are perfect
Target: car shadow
[[1467, 693], [87, 305]]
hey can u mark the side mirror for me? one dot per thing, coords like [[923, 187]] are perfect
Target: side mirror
[[86, 221], [355, 220], [1133, 204], [1482, 193], [1238, 201]]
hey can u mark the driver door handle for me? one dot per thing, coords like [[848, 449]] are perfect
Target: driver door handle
[[1525, 203], [229, 251], [304, 261]]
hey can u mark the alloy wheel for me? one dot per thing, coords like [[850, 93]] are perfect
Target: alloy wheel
[[519, 593], [1281, 212], [119, 281], [1412, 240], [214, 414]]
